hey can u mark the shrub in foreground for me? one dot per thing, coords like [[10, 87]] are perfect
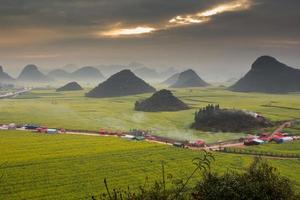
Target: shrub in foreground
[[259, 182]]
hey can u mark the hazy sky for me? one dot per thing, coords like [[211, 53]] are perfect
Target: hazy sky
[[213, 36]]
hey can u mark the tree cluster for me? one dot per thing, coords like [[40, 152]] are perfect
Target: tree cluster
[[213, 118]]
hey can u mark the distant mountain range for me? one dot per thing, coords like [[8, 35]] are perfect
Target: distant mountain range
[[146, 73], [87, 74], [138, 69], [70, 67], [31, 73], [266, 75], [269, 75], [109, 70], [59, 74], [172, 80]]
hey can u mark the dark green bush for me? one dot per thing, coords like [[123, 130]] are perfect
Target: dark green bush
[[259, 182], [213, 118]]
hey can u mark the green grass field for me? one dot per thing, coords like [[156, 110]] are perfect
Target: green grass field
[[287, 148], [74, 111], [39, 166]]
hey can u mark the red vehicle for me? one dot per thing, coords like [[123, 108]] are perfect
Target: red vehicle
[[250, 142], [103, 131], [42, 130], [62, 130], [150, 137], [265, 137], [198, 143], [112, 132], [278, 134], [264, 134]]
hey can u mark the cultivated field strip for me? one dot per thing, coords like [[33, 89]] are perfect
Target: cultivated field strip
[[41, 166], [121, 162], [71, 110]]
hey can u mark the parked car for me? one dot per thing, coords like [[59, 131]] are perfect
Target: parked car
[[52, 131], [42, 130], [198, 143], [12, 126], [250, 142], [179, 144], [31, 126]]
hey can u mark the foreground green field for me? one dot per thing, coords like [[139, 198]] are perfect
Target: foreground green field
[[74, 111], [288, 149], [39, 166], [285, 148]]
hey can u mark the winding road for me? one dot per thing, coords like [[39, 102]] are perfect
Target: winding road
[[16, 93]]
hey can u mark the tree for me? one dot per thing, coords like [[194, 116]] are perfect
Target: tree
[[213, 118], [260, 182]]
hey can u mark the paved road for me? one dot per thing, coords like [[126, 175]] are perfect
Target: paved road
[[16, 93], [215, 147]]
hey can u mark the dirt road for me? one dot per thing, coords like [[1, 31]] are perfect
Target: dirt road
[[280, 128]]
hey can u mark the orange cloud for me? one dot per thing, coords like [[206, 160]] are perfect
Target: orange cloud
[[128, 31], [181, 20]]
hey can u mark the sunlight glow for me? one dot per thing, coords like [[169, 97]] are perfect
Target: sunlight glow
[[233, 6], [129, 31], [186, 20], [182, 20], [206, 15]]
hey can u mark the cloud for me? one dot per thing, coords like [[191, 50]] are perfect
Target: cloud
[[87, 17], [183, 20], [128, 31], [204, 16], [39, 56], [163, 32], [27, 36]]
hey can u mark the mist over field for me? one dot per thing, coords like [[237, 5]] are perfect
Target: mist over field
[[221, 45]]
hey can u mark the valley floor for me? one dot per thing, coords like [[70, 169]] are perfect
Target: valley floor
[[41, 166], [71, 110]]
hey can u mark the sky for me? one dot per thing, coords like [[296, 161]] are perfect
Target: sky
[[218, 38]]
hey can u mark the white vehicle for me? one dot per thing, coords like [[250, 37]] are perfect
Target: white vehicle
[[129, 137]]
